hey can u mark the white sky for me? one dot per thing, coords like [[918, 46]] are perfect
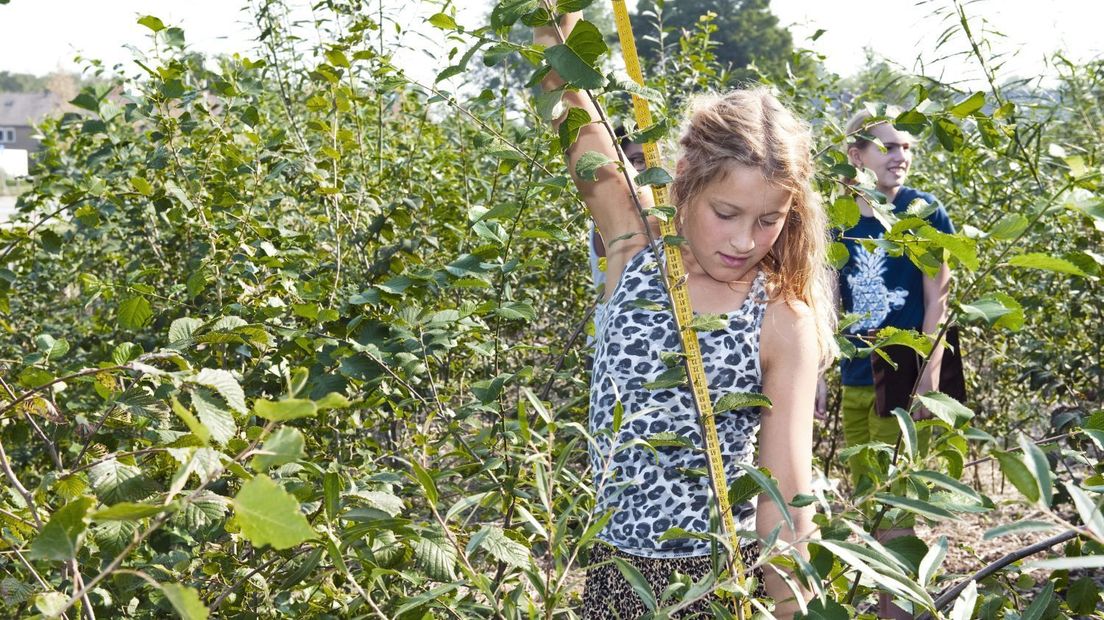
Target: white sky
[[38, 36]]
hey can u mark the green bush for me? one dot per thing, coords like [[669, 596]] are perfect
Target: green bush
[[291, 334]]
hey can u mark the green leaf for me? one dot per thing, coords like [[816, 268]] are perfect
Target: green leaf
[[708, 322], [333, 400], [1083, 596], [284, 446], [946, 408], [134, 313], [740, 400], [877, 568], [507, 12], [843, 213], [997, 309], [589, 163], [570, 6], [826, 609], [575, 58], [225, 384], [762, 477], [1088, 509], [51, 604], [185, 601], [654, 176], [205, 510], [212, 413], [504, 548], [917, 506], [1068, 563], [1018, 474], [668, 440], [908, 431], [436, 558], [576, 119], [944, 481], [958, 246], [909, 549], [286, 409], [142, 186], [269, 515], [87, 101], [1039, 467], [194, 425], [912, 121], [637, 581], [890, 336], [415, 602], [151, 22], [426, 480], [183, 328], [949, 135], [1046, 262], [1018, 527], [53, 349], [1009, 227], [517, 310], [969, 105], [117, 482], [1039, 603], [672, 377], [743, 488], [60, 537], [932, 559], [838, 255], [128, 511], [380, 500]]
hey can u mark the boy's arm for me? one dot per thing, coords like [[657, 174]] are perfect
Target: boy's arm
[[936, 295]]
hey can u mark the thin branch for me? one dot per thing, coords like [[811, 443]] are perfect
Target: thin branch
[[950, 595]]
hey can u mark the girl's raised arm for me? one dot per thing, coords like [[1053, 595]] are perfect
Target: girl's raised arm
[[609, 196]]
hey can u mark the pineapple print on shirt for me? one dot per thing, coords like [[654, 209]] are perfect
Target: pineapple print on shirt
[[869, 295]]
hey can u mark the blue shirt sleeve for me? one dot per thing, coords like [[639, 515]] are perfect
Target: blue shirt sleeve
[[940, 220]]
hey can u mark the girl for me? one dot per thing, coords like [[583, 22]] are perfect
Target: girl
[[754, 249]]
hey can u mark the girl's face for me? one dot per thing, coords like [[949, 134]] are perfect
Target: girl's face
[[890, 167], [733, 223]]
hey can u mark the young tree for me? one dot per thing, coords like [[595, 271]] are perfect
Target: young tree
[[747, 32]]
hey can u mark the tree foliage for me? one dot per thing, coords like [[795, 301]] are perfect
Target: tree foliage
[[746, 32], [293, 334]]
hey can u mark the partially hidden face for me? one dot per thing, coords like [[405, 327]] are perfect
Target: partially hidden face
[[890, 166], [733, 223]]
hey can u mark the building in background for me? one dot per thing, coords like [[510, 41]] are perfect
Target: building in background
[[20, 113]]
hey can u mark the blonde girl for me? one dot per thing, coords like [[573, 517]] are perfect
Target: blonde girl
[[754, 250]]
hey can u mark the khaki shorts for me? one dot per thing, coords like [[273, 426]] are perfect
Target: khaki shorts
[[862, 424]]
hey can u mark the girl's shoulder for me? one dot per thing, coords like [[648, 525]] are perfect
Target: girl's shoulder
[[788, 332]]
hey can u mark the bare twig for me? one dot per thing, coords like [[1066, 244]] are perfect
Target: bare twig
[[950, 595]]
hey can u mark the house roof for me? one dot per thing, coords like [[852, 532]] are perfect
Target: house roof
[[28, 108]]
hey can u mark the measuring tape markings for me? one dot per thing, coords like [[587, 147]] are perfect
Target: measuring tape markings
[[680, 297]]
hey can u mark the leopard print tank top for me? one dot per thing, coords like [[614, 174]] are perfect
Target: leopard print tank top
[[651, 490]]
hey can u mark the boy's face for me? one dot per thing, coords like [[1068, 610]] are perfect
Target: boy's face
[[635, 153], [891, 166]]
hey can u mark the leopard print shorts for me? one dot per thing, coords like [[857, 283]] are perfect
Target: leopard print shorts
[[607, 594]]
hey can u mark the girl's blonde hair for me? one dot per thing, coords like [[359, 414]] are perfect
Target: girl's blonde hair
[[752, 128]]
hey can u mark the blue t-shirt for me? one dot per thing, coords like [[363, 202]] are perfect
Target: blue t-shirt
[[888, 290]]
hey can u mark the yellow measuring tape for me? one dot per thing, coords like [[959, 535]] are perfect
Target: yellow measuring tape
[[684, 314]]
